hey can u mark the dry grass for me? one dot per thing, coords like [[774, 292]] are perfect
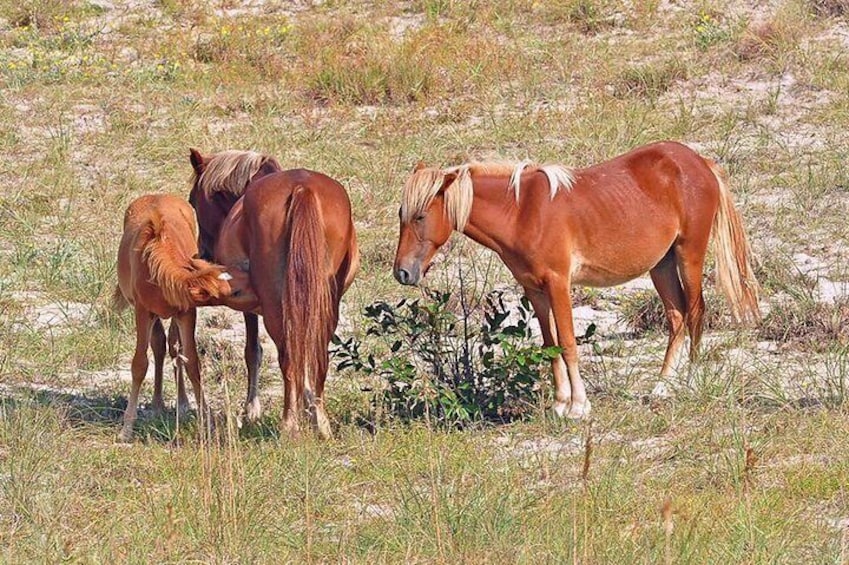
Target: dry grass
[[746, 463]]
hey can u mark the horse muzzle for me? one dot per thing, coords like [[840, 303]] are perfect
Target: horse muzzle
[[408, 276]]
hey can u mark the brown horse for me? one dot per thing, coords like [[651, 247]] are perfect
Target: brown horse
[[652, 209], [159, 274], [294, 232], [219, 181]]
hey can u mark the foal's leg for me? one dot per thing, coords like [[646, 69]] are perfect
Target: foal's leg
[[560, 296], [186, 323], [665, 278], [144, 325], [562, 389], [253, 359], [157, 343], [175, 349]]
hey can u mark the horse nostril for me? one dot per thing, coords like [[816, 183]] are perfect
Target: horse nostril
[[403, 276]]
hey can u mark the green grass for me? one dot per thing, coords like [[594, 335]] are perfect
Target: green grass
[[97, 109]]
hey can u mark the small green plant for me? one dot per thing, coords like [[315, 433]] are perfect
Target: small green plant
[[447, 368], [709, 31]]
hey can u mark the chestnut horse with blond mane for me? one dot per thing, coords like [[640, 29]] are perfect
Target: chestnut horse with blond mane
[[160, 275], [293, 231], [218, 182], [652, 209]]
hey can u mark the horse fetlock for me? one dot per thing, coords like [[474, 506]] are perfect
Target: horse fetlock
[[253, 410], [579, 410], [321, 423], [126, 434], [561, 407]]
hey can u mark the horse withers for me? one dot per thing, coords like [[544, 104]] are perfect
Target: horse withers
[[293, 232], [652, 209], [160, 275]]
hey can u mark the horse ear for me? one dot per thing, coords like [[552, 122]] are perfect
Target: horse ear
[[419, 166], [447, 180], [197, 161]]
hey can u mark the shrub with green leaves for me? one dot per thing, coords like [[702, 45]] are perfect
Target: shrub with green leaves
[[450, 369]]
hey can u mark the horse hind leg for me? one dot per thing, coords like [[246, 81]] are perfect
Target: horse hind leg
[[665, 278], [157, 344], [186, 323], [144, 326], [690, 264]]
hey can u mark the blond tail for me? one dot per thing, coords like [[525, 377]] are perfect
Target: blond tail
[[732, 251]]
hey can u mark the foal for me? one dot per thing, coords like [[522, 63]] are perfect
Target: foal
[[652, 209], [159, 274]]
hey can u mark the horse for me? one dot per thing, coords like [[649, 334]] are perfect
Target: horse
[[651, 209], [161, 277], [218, 182], [293, 232]]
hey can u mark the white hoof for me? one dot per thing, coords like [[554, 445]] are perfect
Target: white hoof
[[322, 424], [579, 411], [126, 434], [661, 390], [561, 408], [183, 409], [253, 410]]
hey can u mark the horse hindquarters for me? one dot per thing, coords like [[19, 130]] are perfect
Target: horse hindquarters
[[308, 312]]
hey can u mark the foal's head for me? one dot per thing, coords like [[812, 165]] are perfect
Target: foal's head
[[433, 204], [212, 284]]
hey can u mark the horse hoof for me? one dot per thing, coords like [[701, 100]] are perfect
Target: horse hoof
[[660, 390], [322, 425], [125, 435], [579, 411], [183, 410], [158, 409], [289, 427], [253, 411], [560, 408]]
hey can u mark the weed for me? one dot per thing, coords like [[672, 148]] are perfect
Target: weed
[[452, 370]]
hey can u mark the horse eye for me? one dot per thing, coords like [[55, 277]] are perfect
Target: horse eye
[[419, 218]]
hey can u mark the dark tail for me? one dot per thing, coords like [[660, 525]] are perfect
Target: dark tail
[[732, 256], [307, 305], [119, 301]]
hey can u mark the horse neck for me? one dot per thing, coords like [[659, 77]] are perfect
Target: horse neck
[[171, 268], [492, 219]]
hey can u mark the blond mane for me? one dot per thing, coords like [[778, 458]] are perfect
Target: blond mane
[[176, 276], [424, 184], [229, 171]]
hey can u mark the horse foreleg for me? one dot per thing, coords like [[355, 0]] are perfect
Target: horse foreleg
[[562, 389], [144, 324], [157, 343], [253, 360], [560, 296], [186, 323], [665, 278]]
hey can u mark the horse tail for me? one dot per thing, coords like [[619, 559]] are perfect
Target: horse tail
[[119, 301], [732, 251], [307, 304]]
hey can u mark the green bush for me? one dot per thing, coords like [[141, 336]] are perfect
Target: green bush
[[450, 369]]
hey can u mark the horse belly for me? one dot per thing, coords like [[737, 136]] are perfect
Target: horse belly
[[611, 272]]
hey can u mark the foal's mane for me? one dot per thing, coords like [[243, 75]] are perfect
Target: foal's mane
[[231, 171], [424, 184], [175, 275]]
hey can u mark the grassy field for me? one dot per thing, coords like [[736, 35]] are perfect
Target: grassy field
[[748, 461]]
